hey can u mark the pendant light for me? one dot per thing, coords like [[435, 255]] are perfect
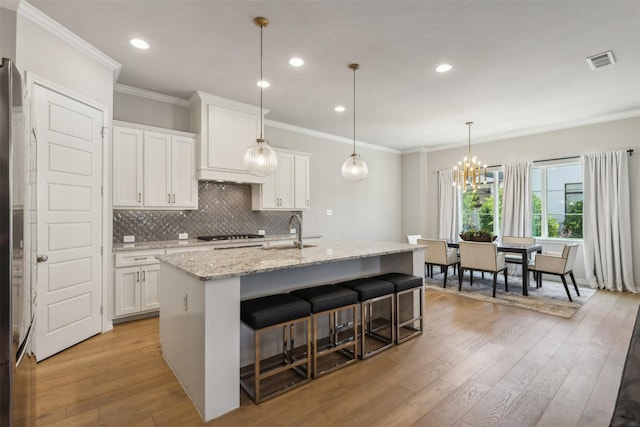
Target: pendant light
[[260, 159], [354, 169], [467, 174]]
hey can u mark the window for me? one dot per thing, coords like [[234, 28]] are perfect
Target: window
[[557, 201], [481, 210]]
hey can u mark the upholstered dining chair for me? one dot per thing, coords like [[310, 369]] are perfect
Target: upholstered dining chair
[[482, 257], [412, 239], [557, 265], [514, 240], [438, 253]]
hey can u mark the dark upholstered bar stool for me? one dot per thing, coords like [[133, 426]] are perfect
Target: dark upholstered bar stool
[[375, 328], [408, 316], [336, 346], [274, 375]]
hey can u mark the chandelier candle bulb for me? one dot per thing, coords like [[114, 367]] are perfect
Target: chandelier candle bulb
[[472, 175]]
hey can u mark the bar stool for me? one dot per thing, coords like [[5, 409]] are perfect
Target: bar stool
[[336, 346], [274, 375], [408, 316], [373, 293]]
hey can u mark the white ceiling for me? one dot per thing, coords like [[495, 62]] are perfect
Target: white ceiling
[[519, 66]]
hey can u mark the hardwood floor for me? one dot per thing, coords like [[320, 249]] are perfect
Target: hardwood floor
[[477, 364]]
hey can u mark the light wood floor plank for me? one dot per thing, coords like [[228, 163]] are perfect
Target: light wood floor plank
[[477, 364]]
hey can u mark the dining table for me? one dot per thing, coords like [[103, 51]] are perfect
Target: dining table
[[523, 250]]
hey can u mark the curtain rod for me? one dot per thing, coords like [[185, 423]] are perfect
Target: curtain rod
[[629, 151]]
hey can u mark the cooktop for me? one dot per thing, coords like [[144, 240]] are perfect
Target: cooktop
[[230, 237]]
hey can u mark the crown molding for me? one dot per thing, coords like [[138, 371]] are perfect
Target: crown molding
[[155, 96], [328, 136], [48, 24]]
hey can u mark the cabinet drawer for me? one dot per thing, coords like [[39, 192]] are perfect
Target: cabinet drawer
[[137, 258]]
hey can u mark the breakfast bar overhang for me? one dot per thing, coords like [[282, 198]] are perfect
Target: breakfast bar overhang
[[200, 294]]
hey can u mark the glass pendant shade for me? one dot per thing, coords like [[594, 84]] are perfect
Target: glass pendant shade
[[260, 159], [354, 169]]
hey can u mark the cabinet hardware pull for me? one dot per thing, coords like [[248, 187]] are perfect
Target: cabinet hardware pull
[[143, 276], [142, 258], [139, 197], [168, 198], [173, 198], [137, 276]]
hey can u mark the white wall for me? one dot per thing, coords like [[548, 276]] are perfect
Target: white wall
[[614, 135], [414, 187], [135, 109], [365, 210]]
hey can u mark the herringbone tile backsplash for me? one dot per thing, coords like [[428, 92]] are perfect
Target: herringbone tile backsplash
[[223, 208]]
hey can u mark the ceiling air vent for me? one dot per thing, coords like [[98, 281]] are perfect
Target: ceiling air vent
[[601, 60]]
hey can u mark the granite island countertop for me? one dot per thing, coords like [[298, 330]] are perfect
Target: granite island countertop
[[220, 264]]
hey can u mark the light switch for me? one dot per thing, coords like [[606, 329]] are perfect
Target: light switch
[[261, 233], [329, 212], [129, 239], [183, 236]]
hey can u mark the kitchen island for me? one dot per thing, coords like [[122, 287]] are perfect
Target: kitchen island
[[200, 294]]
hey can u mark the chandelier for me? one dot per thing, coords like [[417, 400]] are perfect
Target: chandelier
[[260, 159], [469, 173], [354, 169]]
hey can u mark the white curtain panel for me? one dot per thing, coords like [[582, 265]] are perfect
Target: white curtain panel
[[448, 205], [517, 209], [607, 221]]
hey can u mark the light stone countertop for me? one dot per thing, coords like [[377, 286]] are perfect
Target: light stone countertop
[[165, 244], [220, 264]]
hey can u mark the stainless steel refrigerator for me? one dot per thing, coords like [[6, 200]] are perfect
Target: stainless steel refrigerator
[[17, 375]]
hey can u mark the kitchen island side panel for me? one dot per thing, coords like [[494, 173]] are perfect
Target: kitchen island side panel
[[194, 340]]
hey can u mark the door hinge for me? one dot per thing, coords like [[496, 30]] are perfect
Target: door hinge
[[102, 131]]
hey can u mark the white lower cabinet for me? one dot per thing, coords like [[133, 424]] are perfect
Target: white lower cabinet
[[136, 283]]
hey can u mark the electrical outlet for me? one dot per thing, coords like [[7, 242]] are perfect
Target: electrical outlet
[[129, 239], [261, 233], [183, 236], [329, 212], [293, 231]]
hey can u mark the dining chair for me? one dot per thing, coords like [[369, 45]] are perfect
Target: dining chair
[[515, 240], [482, 257], [438, 253], [412, 239], [557, 265]]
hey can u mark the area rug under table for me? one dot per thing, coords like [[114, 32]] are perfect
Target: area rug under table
[[551, 298]]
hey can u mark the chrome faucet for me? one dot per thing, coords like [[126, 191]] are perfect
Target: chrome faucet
[[298, 241]]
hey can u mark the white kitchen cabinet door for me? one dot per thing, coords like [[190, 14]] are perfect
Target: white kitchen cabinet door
[[149, 287], [157, 169], [277, 193], [230, 133], [302, 199], [127, 167], [127, 290], [184, 184]]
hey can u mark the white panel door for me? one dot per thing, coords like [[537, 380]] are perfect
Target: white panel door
[[184, 183], [127, 167], [157, 169], [69, 221]]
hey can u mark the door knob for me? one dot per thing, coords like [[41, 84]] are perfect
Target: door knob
[[42, 258]]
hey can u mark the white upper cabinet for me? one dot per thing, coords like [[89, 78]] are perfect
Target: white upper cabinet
[[153, 168], [288, 187], [227, 128]]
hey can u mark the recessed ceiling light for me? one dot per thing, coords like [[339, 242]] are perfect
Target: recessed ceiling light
[[263, 83], [139, 43], [443, 68], [296, 62], [339, 109]]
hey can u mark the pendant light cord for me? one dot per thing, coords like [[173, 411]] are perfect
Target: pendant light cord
[[354, 110], [261, 80]]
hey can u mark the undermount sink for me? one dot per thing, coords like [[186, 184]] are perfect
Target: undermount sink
[[271, 247]]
